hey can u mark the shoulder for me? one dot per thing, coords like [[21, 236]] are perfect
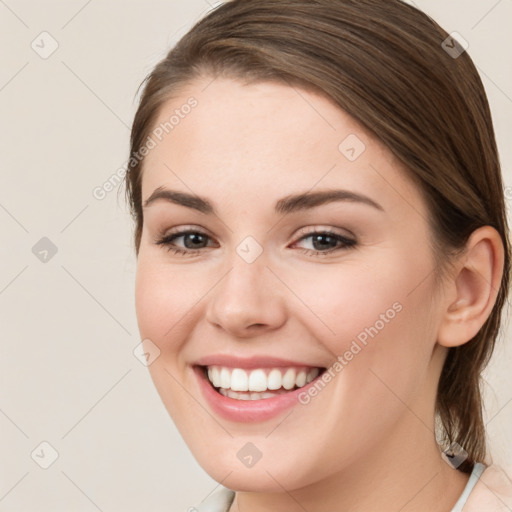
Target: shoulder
[[219, 501], [492, 492]]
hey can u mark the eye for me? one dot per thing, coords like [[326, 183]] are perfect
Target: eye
[[193, 241], [324, 242]]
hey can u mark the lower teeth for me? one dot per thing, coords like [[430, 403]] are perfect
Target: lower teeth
[[252, 395]]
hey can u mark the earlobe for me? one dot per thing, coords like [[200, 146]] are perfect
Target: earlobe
[[474, 288]]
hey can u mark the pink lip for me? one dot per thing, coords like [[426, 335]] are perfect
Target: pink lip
[[248, 411], [250, 362]]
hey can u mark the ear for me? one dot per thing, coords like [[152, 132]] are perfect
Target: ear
[[473, 287]]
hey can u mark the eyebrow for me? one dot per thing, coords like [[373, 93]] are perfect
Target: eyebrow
[[286, 205]]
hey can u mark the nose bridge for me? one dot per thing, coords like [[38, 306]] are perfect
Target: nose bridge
[[248, 294]]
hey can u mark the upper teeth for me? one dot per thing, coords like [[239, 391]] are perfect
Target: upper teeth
[[260, 379]]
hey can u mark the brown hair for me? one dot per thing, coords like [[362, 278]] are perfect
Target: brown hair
[[382, 62]]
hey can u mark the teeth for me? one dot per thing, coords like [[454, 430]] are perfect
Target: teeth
[[313, 374], [239, 380], [274, 379], [225, 378], [249, 396], [213, 375], [301, 379], [289, 379], [258, 383]]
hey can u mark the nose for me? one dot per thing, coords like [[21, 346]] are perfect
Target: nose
[[248, 300]]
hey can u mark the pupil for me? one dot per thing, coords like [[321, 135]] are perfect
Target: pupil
[[318, 238], [194, 238]]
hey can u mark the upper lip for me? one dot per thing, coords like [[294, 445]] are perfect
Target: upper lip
[[252, 362]]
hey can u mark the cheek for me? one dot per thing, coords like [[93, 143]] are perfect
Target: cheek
[[164, 303], [352, 301], [165, 300], [375, 319]]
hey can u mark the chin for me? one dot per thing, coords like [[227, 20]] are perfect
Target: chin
[[271, 473]]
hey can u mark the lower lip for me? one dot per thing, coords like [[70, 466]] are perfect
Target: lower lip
[[247, 411]]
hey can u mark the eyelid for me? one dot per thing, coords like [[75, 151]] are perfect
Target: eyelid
[[325, 229], [183, 229]]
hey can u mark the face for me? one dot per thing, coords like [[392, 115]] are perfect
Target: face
[[285, 281]]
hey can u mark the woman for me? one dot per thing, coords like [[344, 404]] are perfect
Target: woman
[[322, 256]]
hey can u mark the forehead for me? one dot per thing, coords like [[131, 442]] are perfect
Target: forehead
[[264, 137]]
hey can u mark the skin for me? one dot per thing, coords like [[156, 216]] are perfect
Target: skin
[[367, 440]]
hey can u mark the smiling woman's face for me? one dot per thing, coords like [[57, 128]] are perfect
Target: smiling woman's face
[[269, 287]]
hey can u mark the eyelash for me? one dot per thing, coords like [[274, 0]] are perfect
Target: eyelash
[[166, 242]]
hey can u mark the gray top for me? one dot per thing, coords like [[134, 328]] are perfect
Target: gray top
[[478, 469], [222, 499], [217, 502]]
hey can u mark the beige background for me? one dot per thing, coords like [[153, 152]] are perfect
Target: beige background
[[68, 373]]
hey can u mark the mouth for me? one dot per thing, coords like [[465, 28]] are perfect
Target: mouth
[[258, 383]]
